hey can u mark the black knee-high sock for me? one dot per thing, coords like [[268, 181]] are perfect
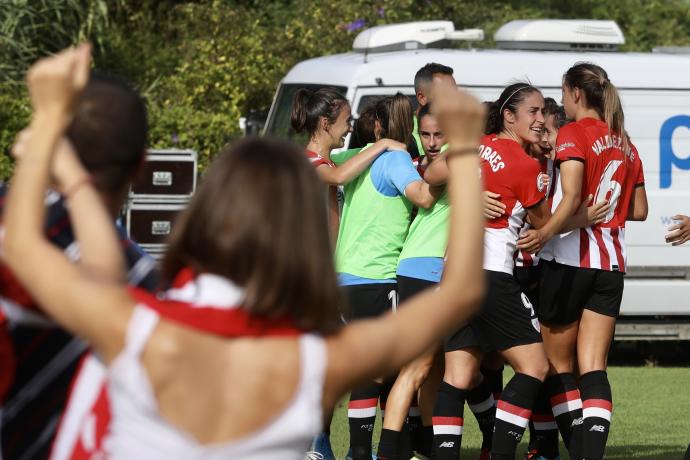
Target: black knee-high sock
[[361, 414], [414, 422], [448, 421], [597, 406], [543, 427], [512, 415], [566, 406], [494, 378], [483, 406], [388, 445]]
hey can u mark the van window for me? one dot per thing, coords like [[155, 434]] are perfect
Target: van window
[[279, 123]]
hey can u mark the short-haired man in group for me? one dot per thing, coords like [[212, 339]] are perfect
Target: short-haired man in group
[[426, 78]]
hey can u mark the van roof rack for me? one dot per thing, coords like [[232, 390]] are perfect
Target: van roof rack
[[412, 36], [560, 35]]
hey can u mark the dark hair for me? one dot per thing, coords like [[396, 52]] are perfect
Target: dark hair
[[363, 133], [551, 107], [260, 198], [600, 94], [424, 111], [109, 132], [510, 98], [308, 107], [394, 113], [425, 75]]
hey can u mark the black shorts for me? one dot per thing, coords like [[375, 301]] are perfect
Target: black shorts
[[370, 300], [506, 319], [528, 279], [409, 287], [565, 291]]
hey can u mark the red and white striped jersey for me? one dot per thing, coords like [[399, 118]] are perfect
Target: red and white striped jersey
[[510, 172], [524, 258], [611, 173]]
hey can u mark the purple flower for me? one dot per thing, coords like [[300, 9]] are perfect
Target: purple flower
[[175, 138], [356, 25], [381, 11]]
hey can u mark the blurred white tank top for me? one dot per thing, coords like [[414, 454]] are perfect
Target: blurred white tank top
[[139, 432]]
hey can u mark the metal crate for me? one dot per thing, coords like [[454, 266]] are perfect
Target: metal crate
[[149, 223], [167, 175]]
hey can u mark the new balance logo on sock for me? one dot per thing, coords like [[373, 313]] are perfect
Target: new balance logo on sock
[[599, 428], [367, 427], [577, 421], [447, 444], [517, 436]]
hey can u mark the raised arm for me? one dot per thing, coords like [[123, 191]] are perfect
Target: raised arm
[[370, 348], [87, 307], [353, 167]]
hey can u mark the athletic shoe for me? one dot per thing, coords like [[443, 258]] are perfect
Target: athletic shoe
[[321, 446], [485, 454], [312, 455]]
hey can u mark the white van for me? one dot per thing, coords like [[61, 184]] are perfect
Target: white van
[[655, 90]]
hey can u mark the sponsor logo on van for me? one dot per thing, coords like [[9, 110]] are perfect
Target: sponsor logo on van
[[667, 157]]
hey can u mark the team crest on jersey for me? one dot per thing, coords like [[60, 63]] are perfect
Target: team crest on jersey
[[541, 182]]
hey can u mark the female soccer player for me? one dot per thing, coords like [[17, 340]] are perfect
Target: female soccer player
[[420, 266], [582, 281], [181, 391], [375, 220], [507, 322], [325, 116]]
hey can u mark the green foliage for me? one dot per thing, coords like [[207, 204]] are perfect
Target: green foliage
[[203, 64]]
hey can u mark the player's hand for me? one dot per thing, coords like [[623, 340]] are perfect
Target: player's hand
[[390, 144], [531, 241], [596, 213], [493, 207], [55, 82], [460, 116], [679, 233]]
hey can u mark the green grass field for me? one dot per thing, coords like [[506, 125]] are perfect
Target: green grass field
[[651, 417]]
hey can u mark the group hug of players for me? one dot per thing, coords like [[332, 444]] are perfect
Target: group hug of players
[[235, 346], [559, 185]]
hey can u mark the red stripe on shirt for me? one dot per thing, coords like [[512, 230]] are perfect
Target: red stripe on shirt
[[617, 246], [604, 259], [584, 249]]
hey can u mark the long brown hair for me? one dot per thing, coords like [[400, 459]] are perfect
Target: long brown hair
[[600, 94], [394, 113], [258, 219]]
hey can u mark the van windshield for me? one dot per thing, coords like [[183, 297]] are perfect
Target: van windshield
[[279, 123]]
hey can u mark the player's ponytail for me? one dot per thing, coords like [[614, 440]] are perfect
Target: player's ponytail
[[394, 114], [600, 94], [308, 107]]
